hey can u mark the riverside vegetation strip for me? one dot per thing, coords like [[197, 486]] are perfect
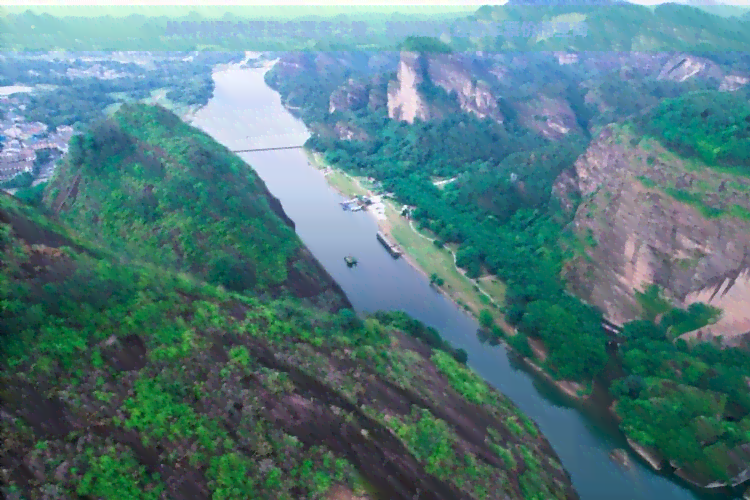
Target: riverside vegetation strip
[[136, 375], [439, 263]]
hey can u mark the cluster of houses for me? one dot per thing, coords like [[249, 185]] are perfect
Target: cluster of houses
[[95, 71], [22, 140]]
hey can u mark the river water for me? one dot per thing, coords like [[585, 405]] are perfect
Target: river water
[[245, 114]]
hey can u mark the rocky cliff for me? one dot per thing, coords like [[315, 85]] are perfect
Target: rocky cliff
[[349, 97], [635, 231], [551, 117], [454, 74], [451, 72], [682, 67], [405, 102]]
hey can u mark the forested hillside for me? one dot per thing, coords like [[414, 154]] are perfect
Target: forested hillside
[[126, 375], [154, 189], [617, 26]]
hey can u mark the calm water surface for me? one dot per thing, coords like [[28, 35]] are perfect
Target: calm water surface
[[243, 114]]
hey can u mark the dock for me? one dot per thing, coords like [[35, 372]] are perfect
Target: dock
[[354, 205], [392, 248]]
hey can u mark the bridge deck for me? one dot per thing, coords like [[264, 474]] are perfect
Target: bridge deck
[[265, 149]]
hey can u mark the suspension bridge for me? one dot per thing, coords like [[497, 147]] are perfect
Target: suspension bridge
[[266, 149]]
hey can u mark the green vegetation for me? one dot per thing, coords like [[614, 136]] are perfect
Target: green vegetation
[[433, 443], [72, 100], [424, 44], [714, 126], [608, 27], [151, 187], [19, 181], [688, 401], [492, 216], [417, 329], [652, 303], [501, 220], [175, 380], [32, 195], [116, 475]]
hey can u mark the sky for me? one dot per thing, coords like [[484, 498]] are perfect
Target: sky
[[453, 3], [400, 5]]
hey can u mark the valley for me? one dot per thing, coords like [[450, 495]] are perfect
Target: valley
[[582, 432], [187, 312]]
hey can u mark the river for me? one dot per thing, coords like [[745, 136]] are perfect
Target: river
[[244, 113]]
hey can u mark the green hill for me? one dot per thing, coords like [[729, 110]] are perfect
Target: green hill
[[620, 26], [151, 188]]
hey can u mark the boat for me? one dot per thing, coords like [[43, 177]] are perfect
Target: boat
[[350, 261], [392, 248]]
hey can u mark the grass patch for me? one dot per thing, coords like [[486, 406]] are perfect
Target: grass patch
[[495, 288], [740, 212], [439, 261], [695, 200], [646, 181]]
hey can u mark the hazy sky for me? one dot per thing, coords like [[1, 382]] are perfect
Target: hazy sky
[[339, 3], [301, 2]]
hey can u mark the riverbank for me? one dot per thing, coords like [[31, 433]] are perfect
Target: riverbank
[[583, 439], [575, 390], [651, 457], [422, 254], [420, 251]]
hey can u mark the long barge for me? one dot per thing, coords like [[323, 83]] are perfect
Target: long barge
[[392, 248]]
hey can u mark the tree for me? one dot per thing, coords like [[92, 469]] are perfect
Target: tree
[[485, 319]]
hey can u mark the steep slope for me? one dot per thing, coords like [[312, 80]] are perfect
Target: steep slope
[[671, 209], [448, 71], [148, 186], [132, 382]]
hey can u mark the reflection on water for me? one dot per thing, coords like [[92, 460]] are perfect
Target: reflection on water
[[245, 113]]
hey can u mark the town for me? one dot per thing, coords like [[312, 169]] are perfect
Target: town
[[29, 147]]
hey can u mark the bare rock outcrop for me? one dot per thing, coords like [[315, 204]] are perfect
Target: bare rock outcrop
[[639, 235], [347, 132], [451, 72], [682, 67], [405, 102], [551, 117], [351, 96], [730, 83]]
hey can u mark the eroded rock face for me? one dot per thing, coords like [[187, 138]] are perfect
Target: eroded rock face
[[730, 83], [405, 102], [349, 97], [347, 132], [453, 73], [553, 118], [682, 67], [644, 236]]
